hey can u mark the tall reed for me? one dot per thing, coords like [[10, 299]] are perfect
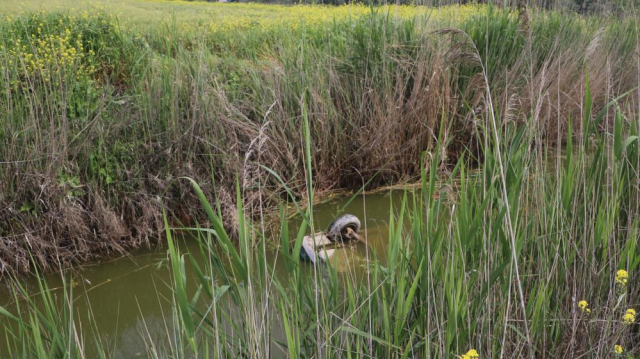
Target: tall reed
[[91, 146], [447, 283], [497, 264]]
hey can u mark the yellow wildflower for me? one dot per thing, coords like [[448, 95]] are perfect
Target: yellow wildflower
[[471, 354], [617, 349], [629, 317], [584, 306], [621, 277]]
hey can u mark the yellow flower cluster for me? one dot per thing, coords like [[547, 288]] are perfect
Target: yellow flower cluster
[[617, 349], [268, 17], [234, 17], [50, 48], [471, 354], [629, 317], [47, 57], [621, 277], [584, 306]]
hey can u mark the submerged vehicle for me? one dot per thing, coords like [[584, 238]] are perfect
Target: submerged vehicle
[[321, 246]]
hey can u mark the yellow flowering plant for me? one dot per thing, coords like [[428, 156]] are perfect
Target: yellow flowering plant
[[263, 17], [617, 349], [622, 277], [629, 316], [471, 354], [47, 49], [584, 306]]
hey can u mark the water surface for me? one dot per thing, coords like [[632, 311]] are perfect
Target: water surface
[[127, 301]]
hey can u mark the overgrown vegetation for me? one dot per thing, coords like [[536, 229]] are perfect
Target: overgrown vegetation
[[535, 255], [99, 117], [533, 117]]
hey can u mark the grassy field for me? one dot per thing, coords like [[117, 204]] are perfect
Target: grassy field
[[106, 107], [211, 17]]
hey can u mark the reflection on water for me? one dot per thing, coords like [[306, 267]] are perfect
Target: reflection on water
[[128, 301]]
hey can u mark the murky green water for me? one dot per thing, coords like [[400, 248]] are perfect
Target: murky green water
[[127, 301]]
